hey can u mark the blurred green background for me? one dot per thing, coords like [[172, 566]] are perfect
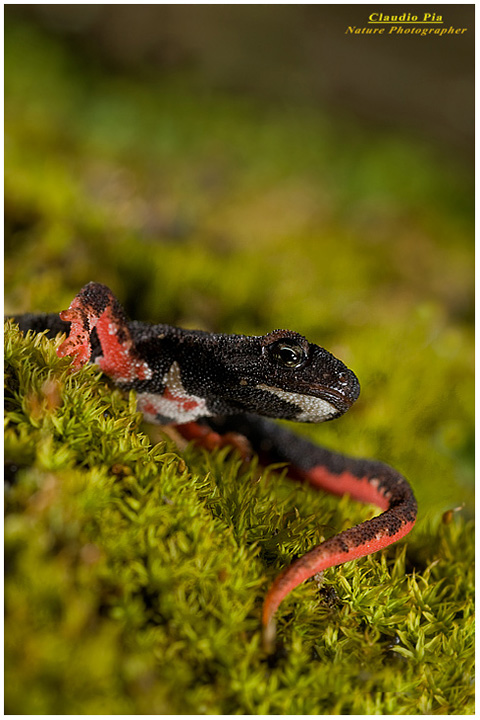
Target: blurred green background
[[244, 168]]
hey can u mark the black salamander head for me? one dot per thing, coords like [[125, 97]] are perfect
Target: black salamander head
[[282, 375], [320, 386]]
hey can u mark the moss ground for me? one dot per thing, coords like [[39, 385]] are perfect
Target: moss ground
[[135, 571]]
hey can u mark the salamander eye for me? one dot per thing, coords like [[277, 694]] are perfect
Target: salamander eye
[[288, 354]]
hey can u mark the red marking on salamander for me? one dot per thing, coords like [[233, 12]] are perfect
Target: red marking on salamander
[[211, 440], [119, 360], [149, 408], [370, 536], [363, 489], [184, 403], [77, 344], [320, 558]]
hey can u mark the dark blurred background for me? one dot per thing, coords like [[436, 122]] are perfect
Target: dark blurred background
[[298, 53]]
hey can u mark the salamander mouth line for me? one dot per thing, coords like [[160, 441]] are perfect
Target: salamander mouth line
[[326, 393]]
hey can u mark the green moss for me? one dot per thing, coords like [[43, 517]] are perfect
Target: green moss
[[134, 577], [135, 573]]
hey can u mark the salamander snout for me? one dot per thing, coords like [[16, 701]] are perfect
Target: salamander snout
[[343, 381]]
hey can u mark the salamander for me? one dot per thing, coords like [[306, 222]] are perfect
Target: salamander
[[210, 384]]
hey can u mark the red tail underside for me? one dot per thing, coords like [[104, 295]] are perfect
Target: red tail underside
[[342, 547]]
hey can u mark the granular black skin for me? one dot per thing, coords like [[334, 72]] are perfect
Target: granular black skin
[[38, 322], [98, 297], [224, 369]]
